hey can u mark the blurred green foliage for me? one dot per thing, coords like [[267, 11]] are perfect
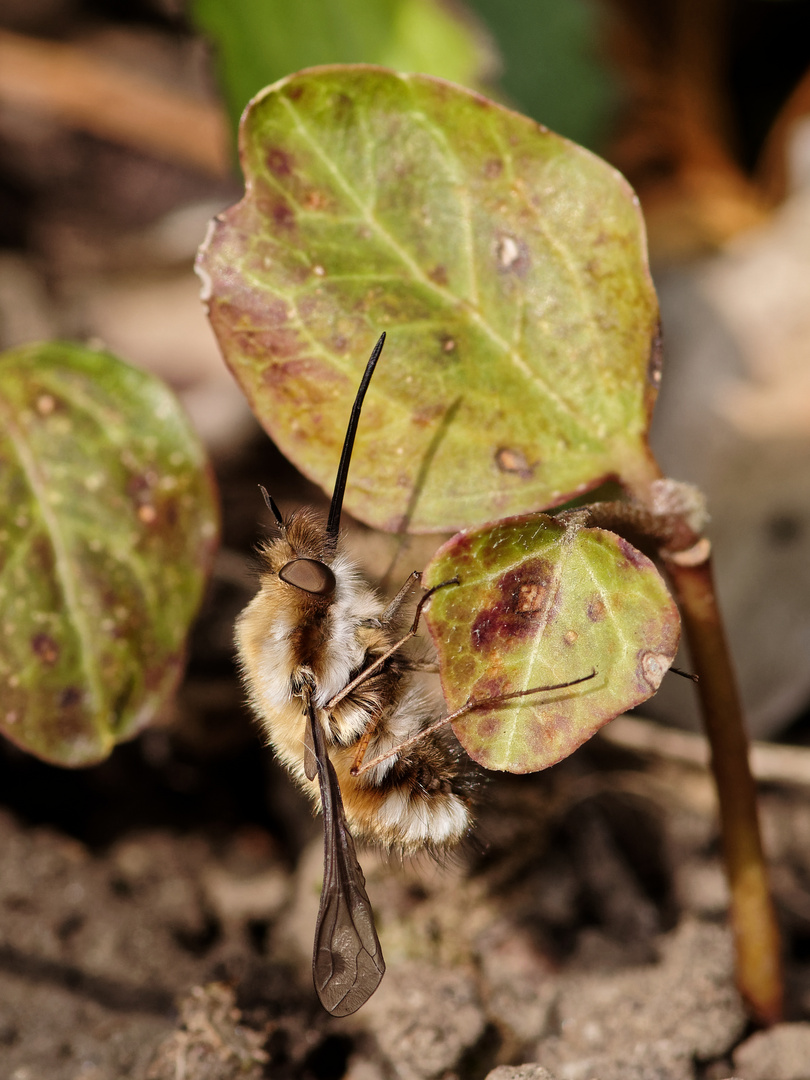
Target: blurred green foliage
[[260, 41], [553, 67], [550, 67]]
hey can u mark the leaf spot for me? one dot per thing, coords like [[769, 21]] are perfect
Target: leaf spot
[[524, 594], [570, 636], [487, 728], [596, 609], [283, 214], [45, 404], [513, 461], [508, 252], [147, 514], [279, 162], [529, 595], [45, 648], [315, 200], [654, 667]]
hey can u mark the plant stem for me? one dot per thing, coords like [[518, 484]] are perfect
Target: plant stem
[[687, 561], [756, 935]]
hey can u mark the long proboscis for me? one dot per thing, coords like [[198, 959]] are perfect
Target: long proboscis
[[333, 524]]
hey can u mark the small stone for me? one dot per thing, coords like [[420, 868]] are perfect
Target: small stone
[[520, 1072], [211, 1042], [650, 1022], [425, 1019], [781, 1053]]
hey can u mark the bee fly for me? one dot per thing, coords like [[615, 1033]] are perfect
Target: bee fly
[[320, 657]]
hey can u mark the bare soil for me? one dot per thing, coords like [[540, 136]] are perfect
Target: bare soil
[[157, 910]]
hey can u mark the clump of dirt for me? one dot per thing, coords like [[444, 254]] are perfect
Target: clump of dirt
[[159, 909]]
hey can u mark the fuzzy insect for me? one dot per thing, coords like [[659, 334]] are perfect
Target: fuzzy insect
[[306, 643], [321, 658]]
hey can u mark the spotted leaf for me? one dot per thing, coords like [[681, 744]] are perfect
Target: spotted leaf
[[540, 603], [507, 264], [108, 523]]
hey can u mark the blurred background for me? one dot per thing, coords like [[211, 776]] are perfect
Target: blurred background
[[187, 855], [117, 144]]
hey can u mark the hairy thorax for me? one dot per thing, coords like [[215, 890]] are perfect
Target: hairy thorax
[[292, 646]]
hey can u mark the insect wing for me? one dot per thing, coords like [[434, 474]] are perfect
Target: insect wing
[[347, 963], [310, 760]]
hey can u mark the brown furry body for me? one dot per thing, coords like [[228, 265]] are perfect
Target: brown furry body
[[293, 644]]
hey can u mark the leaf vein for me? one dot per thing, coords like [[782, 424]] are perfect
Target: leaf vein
[[65, 570], [449, 298]]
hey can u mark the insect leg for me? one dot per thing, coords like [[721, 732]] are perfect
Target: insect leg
[[347, 960], [467, 707], [362, 745], [378, 663], [389, 613], [685, 674]]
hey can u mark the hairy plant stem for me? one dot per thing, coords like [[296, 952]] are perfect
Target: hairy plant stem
[[756, 935]]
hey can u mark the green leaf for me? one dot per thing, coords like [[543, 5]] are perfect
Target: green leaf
[[108, 524], [555, 64], [507, 264], [259, 41], [540, 603]]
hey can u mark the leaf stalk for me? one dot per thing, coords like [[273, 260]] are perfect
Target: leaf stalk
[[756, 934], [670, 518]]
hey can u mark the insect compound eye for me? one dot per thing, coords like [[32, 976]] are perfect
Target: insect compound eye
[[310, 575]]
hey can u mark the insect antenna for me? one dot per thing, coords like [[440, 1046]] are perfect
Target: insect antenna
[[333, 523], [270, 503]]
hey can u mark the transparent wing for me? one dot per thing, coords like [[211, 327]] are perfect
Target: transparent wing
[[310, 761], [347, 962]]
